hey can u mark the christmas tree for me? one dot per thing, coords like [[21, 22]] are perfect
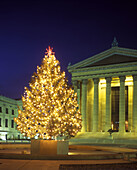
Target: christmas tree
[[50, 107]]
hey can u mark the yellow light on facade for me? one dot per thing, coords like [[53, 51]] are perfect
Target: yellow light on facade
[[112, 126], [126, 122], [102, 81]]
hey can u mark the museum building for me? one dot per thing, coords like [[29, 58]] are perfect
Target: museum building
[[106, 86], [9, 110]]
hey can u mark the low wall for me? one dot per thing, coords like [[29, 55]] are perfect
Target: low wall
[[14, 146]]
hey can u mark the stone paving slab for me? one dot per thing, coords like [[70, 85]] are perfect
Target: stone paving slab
[[115, 149], [121, 166], [13, 164]]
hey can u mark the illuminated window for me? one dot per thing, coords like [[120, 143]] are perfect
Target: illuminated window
[[6, 122], [6, 110]]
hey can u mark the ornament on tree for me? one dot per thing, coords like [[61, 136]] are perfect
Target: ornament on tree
[[50, 106]]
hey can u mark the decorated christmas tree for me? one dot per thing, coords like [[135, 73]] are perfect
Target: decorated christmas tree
[[50, 107]]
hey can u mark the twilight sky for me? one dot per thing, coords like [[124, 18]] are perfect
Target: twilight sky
[[76, 30]]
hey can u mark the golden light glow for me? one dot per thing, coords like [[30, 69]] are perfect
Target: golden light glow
[[129, 78], [126, 122], [102, 81], [112, 126], [129, 81], [50, 107], [116, 81]]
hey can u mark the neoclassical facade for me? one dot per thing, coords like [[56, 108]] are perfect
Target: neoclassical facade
[[9, 110], [106, 86]]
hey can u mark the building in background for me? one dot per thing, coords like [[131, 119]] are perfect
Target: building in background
[[9, 110], [106, 85]]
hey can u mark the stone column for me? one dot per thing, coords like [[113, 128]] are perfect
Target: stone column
[[135, 103], [83, 105], [95, 106], [130, 108], [108, 104], [78, 94], [74, 82], [122, 105]]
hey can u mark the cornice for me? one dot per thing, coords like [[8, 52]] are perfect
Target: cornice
[[9, 100], [114, 74], [103, 55], [106, 67]]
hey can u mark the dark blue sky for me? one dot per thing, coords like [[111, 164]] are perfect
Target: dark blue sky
[[75, 29]]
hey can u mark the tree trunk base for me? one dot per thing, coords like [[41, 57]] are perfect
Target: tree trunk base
[[49, 147]]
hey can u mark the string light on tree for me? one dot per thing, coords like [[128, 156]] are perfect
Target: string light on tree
[[50, 106]]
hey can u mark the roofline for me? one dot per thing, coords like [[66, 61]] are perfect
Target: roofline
[[9, 100], [114, 50]]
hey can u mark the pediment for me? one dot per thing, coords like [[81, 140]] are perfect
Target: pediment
[[111, 56], [114, 59]]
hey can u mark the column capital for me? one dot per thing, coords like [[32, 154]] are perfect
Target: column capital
[[74, 82], [85, 81], [122, 78], [108, 79], [96, 80], [134, 77], [78, 84]]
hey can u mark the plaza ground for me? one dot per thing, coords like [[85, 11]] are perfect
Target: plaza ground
[[12, 164], [80, 156]]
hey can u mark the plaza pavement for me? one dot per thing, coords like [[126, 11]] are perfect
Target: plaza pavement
[[78, 155], [12, 164]]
